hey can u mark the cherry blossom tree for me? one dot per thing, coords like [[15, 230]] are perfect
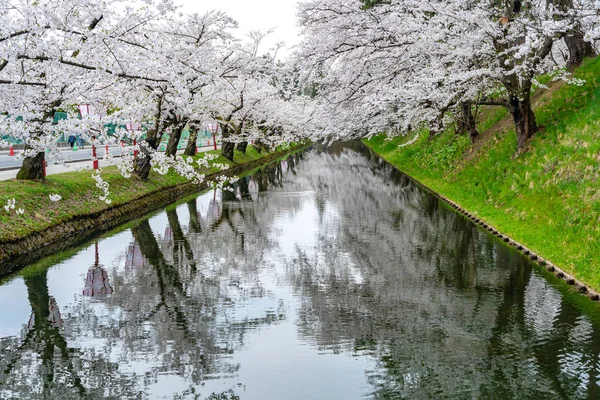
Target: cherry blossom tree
[[394, 66]]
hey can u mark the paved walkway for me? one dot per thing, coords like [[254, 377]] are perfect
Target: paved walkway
[[58, 169]]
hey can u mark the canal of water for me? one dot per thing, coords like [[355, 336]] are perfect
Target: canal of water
[[327, 275]]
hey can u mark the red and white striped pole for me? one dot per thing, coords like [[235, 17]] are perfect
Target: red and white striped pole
[[94, 156], [12, 151]]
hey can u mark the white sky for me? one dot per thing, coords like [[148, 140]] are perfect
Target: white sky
[[263, 15]]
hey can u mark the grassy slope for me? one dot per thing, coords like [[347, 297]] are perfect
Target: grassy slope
[[547, 198], [80, 195]]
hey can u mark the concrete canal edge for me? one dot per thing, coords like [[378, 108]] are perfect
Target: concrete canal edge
[[23, 251], [544, 263]]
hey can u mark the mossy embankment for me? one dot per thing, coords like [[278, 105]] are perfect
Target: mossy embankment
[[48, 226], [548, 197]]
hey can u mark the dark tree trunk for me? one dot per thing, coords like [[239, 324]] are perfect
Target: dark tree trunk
[[524, 119], [192, 143], [227, 150], [242, 146], [227, 147], [174, 138], [259, 146], [33, 168], [142, 162], [578, 49], [461, 125], [436, 126], [468, 120]]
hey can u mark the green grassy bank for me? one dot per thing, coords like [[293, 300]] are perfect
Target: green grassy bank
[[547, 198], [80, 196]]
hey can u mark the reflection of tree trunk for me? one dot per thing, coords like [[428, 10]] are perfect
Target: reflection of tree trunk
[[261, 179], [194, 220], [167, 275], [228, 195], [149, 247], [39, 299], [44, 329], [243, 185], [32, 168], [270, 172], [180, 238], [190, 148]]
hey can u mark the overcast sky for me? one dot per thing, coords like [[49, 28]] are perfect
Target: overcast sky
[[256, 15]]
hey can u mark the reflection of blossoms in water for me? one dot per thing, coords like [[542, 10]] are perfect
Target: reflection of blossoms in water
[[54, 317], [97, 283], [135, 258], [340, 254], [214, 210], [253, 189], [168, 234]]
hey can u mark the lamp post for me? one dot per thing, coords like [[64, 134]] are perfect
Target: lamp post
[[84, 110], [214, 128]]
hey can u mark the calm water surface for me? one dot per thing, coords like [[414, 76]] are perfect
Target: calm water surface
[[324, 276]]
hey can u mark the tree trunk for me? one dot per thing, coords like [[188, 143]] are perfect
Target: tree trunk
[[259, 146], [468, 120], [461, 124], [192, 143], [242, 146], [142, 162], [227, 147], [174, 138], [578, 49], [524, 119], [436, 126], [33, 168], [227, 150]]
